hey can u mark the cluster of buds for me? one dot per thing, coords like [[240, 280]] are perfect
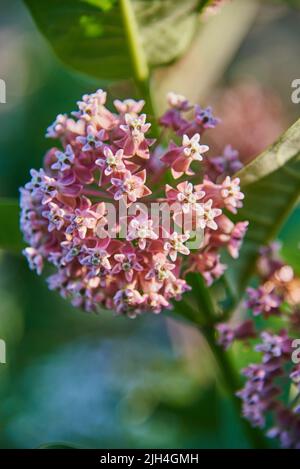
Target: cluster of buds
[[278, 294], [86, 211]]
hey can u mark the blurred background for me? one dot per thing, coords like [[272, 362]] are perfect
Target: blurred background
[[99, 381]]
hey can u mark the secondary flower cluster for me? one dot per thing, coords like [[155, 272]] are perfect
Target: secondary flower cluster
[[107, 160], [279, 295]]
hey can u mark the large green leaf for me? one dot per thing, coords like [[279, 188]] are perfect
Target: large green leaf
[[89, 35], [167, 27], [116, 39], [273, 158], [271, 184], [10, 236]]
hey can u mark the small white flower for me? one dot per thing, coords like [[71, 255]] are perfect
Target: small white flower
[[192, 148], [189, 197], [141, 230], [175, 245], [207, 214], [137, 126], [113, 162]]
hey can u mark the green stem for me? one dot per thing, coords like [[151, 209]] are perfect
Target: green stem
[[229, 376], [137, 53], [139, 61], [231, 382], [184, 309], [204, 299]]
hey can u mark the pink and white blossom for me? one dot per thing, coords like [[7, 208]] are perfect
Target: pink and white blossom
[[105, 160]]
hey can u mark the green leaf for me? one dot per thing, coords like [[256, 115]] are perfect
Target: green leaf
[[276, 156], [92, 36], [167, 27], [271, 184], [116, 39], [289, 237], [10, 236]]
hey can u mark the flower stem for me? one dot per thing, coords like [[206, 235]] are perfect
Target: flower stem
[[231, 382], [229, 376]]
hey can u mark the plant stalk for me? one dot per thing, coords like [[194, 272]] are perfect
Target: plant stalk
[[231, 382], [228, 374]]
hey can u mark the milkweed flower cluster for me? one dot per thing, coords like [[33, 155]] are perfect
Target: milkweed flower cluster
[[107, 163], [279, 367]]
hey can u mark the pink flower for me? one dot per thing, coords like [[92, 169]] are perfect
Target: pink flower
[[35, 259], [91, 103], [175, 245], [135, 126], [78, 213], [178, 101], [64, 160], [129, 106], [263, 396], [228, 334], [231, 194], [156, 302], [207, 215], [236, 238], [141, 229], [226, 164], [128, 301], [172, 117], [263, 301], [93, 140], [180, 158], [57, 129], [42, 185], [186, 194], [176, 289], [71, 250], [113, 163], [82, 220], [203, 120], [92, 110], [274, 346], [65, 128], [162, 269], [131, 186], [208, 264], [134, 141], [127, 262], [56, 217], [95, 258]]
